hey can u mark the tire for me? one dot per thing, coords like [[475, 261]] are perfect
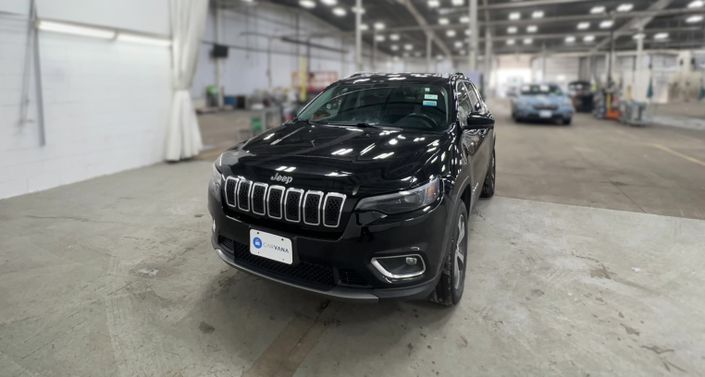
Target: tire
[[568, 121], [489, 184], [451, 285]]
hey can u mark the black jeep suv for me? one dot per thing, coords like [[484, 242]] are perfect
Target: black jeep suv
[[366, 194]]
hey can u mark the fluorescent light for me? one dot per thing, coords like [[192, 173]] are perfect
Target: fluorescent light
[[126, 37], [468, 32], [626, 7], [355, 10], [464, 19], [394, 47], [330, 3], [660, 36], [408, 47], [379, 25], [537, 14], [694, 18], [606, 24], [458, 2], [696, 4], [589, 38], [510, 42], [638, 36], [583, 25], [512, 30], [440, 57], [450, 33], [514, 16], [60, 27], [380, 38], [340, 12], [364, 27], [443, 21], [307, 3], [393, 37], [434, 3], [532, 29], [528, 41], [570, 39], [458, 44], [597, 10]]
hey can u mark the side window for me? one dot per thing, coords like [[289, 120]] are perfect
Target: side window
[[464, 103], [475, 100]]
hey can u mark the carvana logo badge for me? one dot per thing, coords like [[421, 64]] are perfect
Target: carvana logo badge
[[257, 242]]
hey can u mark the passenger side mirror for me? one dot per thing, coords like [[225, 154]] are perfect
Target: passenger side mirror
[[479, 122]]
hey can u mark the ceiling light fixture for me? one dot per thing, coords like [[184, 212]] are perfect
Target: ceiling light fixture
[[393, 37], [583, 25], [532, 29], [626, 7], [639, 36], [443, 21], [450, 33], [512, 30], [60, 27], [394, 47], [408, 47], [464, 19], [380, 38], [589, 38], [696, 4], [308, 4], [570, 39], [379, 26], [606, 24], [537, 14], [340, 12], [597, 10], [510, 42], [434, 3], [694, 19], [330, 3], [660, 36], [458, 2], [134, 38], [514, 16], [528, 41]]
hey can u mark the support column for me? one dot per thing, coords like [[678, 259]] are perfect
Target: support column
[[429, 42], [474, 45], [488, 60], [358, 35], [218, 61], [543, 63]]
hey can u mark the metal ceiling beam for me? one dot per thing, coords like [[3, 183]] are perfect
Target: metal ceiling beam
[[636, 23], [514, 5], [425, 27], [563, 19]]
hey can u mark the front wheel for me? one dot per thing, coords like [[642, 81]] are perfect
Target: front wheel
[[488, 186], [450, 287]]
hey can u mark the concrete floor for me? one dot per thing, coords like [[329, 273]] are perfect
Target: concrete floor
[[115, 276]]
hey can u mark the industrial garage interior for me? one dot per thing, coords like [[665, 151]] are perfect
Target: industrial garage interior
[[588, 260]]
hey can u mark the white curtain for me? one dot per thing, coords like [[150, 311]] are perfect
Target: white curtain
[[188, 20]]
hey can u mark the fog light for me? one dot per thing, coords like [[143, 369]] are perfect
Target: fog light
[[400, 267]]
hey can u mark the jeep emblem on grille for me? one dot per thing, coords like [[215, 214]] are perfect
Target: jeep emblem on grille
[[285, 179]]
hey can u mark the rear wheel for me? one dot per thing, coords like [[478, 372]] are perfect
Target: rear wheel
[[488, 186], [450, 287]]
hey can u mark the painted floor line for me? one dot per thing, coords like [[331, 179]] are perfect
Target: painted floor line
[[678, 154]]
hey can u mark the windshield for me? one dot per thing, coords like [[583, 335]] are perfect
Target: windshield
[[536, 90], [402, 105]]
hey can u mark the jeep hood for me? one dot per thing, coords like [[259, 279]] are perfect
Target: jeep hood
[[349, 159]]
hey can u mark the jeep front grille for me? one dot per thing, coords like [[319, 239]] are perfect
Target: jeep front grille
[[293, 205]]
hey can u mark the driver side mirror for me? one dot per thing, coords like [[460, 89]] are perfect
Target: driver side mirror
[[479, 122]]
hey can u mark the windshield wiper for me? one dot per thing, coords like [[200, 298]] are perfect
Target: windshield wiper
[[358, 124]]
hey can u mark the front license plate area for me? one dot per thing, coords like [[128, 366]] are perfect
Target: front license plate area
[[271, 246], [545, 114]]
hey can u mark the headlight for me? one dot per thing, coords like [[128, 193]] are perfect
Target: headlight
[[403, 201], [216, 180]]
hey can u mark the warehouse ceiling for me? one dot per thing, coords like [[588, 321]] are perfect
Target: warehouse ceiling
[[527, 26]]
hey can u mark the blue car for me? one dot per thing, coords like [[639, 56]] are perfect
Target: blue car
[[542, 102]]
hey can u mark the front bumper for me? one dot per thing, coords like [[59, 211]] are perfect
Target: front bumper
[[341, 267], [535, 114]]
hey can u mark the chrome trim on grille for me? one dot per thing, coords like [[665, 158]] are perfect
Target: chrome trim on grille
[[318, 210], [298, 207], [225, 188], [281, 201], [247, 206], [249, 195], [340, 212], [264, 198]]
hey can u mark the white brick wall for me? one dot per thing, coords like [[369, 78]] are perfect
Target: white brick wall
[[106, 103]]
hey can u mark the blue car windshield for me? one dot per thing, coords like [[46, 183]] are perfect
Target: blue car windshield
[[540, 90], [402, 105]]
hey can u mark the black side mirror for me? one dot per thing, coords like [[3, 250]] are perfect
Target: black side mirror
[[479, 122]]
